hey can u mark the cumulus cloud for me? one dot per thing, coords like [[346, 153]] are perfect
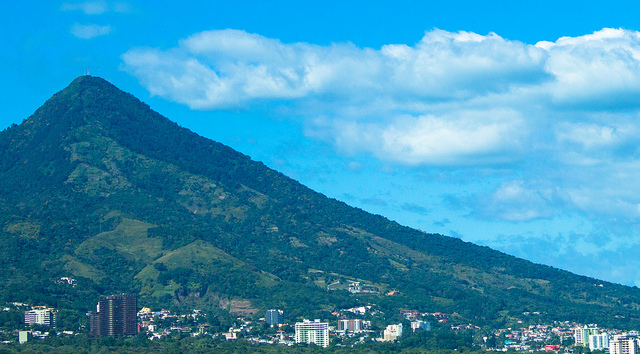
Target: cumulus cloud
[[230, 68], [562, 113], [398, 99], [590, 135], [490, 136], [597, 70], [240, 67], [402, 93], [89, 31]]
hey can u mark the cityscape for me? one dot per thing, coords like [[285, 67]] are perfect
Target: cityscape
[[119, 316]]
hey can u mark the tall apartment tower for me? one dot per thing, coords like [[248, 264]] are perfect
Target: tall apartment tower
[[42, 316], [581, 334], [315, 332], [116, 316], [274, 317], [599, 341], [624, 344], [353, 326]]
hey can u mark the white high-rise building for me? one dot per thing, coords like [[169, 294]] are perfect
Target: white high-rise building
[[315, 332], [42, 316], [623, 344], [599, 341]]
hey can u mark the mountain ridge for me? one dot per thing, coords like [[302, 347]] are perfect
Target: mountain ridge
[[93, 164]]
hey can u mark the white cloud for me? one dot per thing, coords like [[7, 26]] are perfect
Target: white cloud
[[461, 65], [234, 68], [588, 135], [96, 7], [442, 66], [398, 86], [487, 137], [89, 31], [408, 98], [601, 69], [563, 114]]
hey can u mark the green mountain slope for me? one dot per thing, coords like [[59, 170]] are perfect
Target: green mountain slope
[[98, 186]]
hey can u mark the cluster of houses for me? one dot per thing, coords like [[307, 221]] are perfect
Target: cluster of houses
[[306, 331], [538, 337], [150, 321], [158, 324]]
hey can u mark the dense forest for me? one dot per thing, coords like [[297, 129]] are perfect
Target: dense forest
[[99, 187]]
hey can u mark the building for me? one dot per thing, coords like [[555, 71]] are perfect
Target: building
[[230, 335], [426, 326], [623, 344], [315, 332], [40, 316], [274, 317], [353, 326], [392, 332], [115, 316], [599, 341], [360, 288], [581, 334], [410, 314], [23, 336]]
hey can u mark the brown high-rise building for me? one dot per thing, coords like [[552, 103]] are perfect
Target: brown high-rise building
[[116, 316]]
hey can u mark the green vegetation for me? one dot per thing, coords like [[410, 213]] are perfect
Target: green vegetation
[[185, 344], [97, 186]]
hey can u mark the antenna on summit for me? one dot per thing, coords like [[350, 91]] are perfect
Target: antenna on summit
[[86, 71]]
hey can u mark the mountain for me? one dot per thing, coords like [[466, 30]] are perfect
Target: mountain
[[99, 187]]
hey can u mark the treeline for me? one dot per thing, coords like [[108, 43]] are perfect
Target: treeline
[[439, 343]]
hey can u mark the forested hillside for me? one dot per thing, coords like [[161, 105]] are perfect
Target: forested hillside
[[98, 186]]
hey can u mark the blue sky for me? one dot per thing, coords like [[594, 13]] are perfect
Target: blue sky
[[510, 124]]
